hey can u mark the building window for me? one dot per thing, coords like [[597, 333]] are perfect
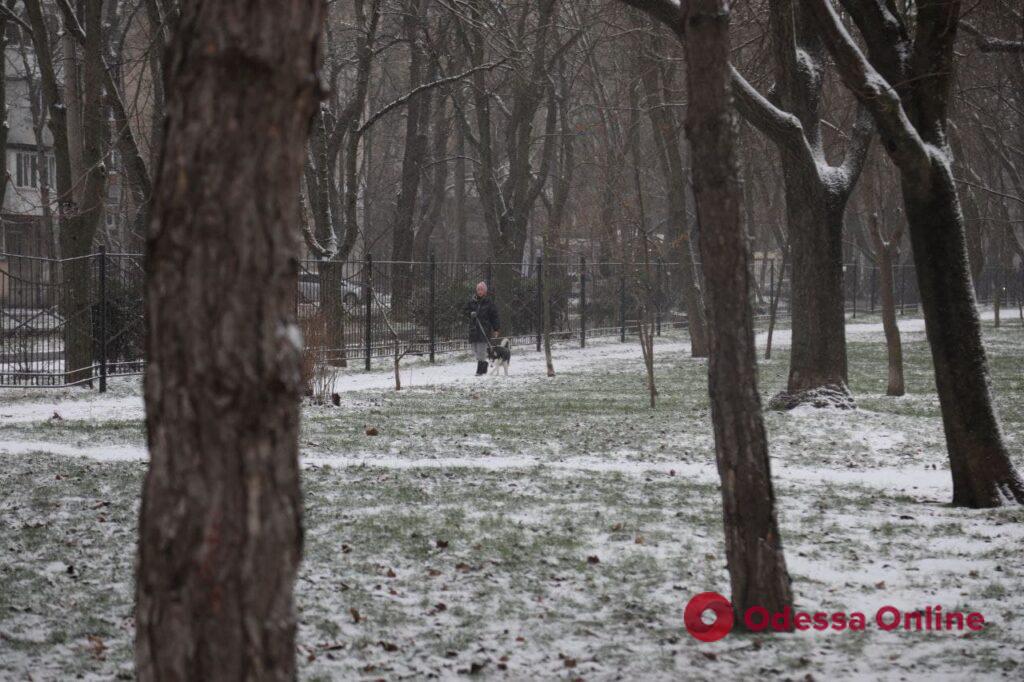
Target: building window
[[27, 170]]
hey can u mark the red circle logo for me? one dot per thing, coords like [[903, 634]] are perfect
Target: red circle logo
[[718, 605]]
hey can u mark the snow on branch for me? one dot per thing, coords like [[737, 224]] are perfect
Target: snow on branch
[[989, 44], [857, 150], [420, 88], [873, 91], [10, 15], [780, 126], [667, 12]]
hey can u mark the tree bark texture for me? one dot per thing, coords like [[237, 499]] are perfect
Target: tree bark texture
[[757, 567], [220, 527], [818, 352], [905, 82], [983, 475]]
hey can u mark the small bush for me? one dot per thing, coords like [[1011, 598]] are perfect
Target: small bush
[[318, 373]]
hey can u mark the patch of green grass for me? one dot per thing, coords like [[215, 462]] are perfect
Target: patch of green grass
[[451, 566]]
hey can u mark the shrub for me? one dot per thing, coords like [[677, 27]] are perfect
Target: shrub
[[318, 373]]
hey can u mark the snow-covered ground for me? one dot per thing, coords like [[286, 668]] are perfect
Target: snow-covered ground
[[460, 538]]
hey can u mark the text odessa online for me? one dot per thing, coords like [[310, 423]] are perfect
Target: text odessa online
[[931, 618]]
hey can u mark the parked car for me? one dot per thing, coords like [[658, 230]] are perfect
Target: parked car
[[309, 290]]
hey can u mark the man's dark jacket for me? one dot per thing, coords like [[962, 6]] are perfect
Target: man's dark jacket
[[486, 313]]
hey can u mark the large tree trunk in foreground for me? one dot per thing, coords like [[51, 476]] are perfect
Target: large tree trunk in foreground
[[909, 100], [220, 529], [757, 568], [983, 475]]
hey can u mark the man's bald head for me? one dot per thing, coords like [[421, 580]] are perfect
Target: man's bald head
[[481, 289]]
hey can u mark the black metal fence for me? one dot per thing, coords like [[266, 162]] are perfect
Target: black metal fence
[[80, 321], [72, 321]]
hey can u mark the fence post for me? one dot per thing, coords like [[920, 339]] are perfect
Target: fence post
[[771, 281], [103, 319], [657, 297], [540, 300], [368, 322], [855, 287], [622, 303], [583, 301], [903, 288], [488, 274], [433, 306]]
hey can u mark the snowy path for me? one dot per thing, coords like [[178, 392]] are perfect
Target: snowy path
[[526, 365], [935, 481]]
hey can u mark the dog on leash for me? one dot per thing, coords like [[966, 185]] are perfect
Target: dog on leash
[[500, 355]]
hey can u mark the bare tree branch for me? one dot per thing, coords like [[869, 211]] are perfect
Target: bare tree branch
[[11, 15], [426, 86], [989, 44], [872, 90]]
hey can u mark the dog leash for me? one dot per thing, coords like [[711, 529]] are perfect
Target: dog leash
[[486, 338]]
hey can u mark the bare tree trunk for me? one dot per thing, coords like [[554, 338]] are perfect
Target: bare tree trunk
[[818, 351], [816, 197], [549, 363], [415, 149], [78, 232], [80, 197], [996, 298], [884, 252], [983, 475], [646, 306], [645, 329], [320, 180], [757, 568], [562, 184], [1003, 256], [776, 295], [909, 100], [461, 245], [220, 531], [666, 134], [433, 215], [5, 126]]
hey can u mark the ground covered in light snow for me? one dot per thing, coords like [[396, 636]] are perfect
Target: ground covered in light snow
[[543, 528]]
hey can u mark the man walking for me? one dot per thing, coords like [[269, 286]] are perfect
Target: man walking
[[483, 324]]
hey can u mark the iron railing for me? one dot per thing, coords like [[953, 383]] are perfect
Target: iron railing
[[80, 321]]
